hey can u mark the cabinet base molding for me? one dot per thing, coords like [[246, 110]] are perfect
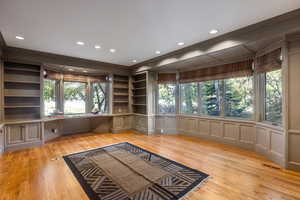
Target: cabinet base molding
[[23, 146]]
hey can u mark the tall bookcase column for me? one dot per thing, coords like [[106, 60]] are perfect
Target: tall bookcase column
[[143, 101], [120, 98], [151, 101], [22, 98], [22, 91], [121, 103]]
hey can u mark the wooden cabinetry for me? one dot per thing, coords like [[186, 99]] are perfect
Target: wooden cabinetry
[[1, 140], [121, 96], [121, 123], [19, 136], [139, 90], [22, 91]]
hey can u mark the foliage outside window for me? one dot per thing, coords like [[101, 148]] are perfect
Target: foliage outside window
[[189, 98], [210, 97], [166, 98], [273, 97], [74, 97], [49, 94], [239, 97], [99, 97]]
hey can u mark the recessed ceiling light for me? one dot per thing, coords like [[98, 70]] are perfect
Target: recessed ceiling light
[[19, 37], [213, 31], [80, 43], [71, 69], [97, 46], [157, 52], [85, 71], [180, 43], [134, 61], [112, 50]]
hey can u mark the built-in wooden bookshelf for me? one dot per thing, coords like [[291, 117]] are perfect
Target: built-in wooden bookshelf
[[139, 91], [121, 94], [22, 91]]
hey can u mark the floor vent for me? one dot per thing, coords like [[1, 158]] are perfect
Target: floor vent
[[271, 166]]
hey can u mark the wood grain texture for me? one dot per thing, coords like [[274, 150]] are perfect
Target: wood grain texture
[[236, 174]]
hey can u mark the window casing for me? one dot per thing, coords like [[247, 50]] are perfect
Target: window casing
[[189, 98], [75, 97], [166, 98]]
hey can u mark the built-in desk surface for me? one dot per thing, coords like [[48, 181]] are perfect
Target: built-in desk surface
[[61, 117]]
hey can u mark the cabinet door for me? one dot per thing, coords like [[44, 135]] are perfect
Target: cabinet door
[[15, 134], [1, 141], [33, 132]]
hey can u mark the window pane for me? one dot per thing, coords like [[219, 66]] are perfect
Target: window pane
[[189, 98], [166, 98], [74, 97], [239, 97], [100, 100], [273, 98], [210, 98], [49, 96]]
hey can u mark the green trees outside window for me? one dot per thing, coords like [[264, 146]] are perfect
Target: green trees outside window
[[210, 96], [273, 97], [166, 98], [49, 94], [189, 98], [239, 97], [74, 98], [100, 96]]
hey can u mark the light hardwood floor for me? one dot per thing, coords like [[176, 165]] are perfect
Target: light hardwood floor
[[40, 173]]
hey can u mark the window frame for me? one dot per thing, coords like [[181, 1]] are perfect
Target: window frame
[[180, 111], [252, 118], [91, 96], [86, 100], [175, 99], [220, 86], [263, 94], [56, 92]]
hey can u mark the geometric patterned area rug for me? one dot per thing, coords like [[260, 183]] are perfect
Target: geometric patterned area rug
[[127, 172]]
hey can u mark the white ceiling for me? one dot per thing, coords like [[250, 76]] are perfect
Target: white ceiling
[[135, 28]]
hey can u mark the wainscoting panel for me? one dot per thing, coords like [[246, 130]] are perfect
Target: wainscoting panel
[[216, 129], [203, 127], [140, 123], [294, 150], [165, 124], [262, 138], [231, 131], [249, 135]]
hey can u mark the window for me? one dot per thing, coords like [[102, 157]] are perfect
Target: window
[[239, 97], [74, 97], [100, 96], [49, 96], [189, 98], [166, 98], [273, 97], [210, 98]]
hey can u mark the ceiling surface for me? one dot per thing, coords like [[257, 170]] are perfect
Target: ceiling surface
[[135, 28]]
